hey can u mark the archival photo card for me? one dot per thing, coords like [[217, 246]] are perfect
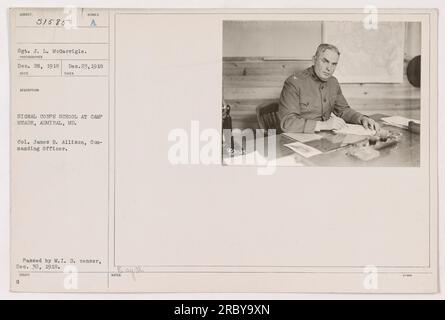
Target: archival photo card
[[224, 150]]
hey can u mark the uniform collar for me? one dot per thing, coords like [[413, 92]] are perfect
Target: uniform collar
[[314, 75]]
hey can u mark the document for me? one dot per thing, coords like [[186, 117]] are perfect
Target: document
[[302, 149], [303, 137], [355, 129], [399, 121], [117, 178]]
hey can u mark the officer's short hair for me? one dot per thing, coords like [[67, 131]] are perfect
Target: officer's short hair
[[326, 46]]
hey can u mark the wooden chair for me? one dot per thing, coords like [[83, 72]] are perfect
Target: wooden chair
[[267, 114]]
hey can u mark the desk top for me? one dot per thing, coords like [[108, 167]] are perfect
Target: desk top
[[406, 153]]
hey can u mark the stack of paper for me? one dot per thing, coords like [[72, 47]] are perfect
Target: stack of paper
[[356, 129], [398, 121], [302, 149]]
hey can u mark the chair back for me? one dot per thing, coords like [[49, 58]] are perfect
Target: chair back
[[267, 114]]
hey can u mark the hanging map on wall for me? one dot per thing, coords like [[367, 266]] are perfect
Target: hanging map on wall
[[271, 39], [367, 56]]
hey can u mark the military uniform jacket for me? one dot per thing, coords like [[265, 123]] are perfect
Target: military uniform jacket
[[306, 99]]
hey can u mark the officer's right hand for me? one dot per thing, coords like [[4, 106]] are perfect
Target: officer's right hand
[[335, 123]]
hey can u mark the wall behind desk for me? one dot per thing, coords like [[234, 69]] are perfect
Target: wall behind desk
[[254, 73]]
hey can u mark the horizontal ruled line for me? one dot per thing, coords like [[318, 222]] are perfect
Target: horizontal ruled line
[[63, 76], [62, 27], [62, 42], [64, 59], [254, 272]]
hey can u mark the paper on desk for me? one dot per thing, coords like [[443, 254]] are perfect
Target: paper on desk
[[302, 149], [302, 137], [356, 129], [289, 160], [399, 121]]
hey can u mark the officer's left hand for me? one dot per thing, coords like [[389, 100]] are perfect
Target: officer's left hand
[[369, 123]]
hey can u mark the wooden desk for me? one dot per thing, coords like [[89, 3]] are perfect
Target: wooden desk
[[406, 153]]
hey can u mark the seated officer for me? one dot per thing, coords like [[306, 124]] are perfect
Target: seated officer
[[308, 98]]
